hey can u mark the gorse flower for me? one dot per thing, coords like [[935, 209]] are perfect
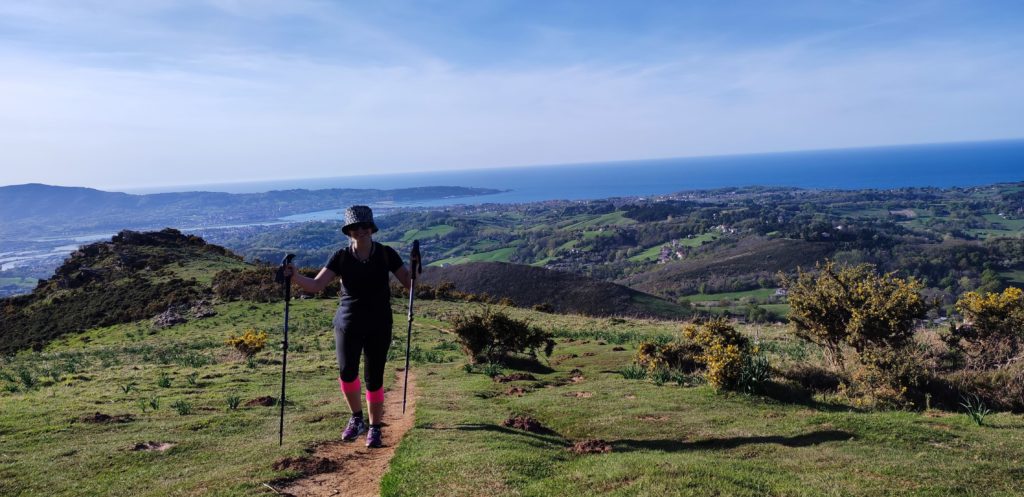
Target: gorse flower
[[250, 343]]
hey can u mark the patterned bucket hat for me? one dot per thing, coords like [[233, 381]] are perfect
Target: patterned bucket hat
[[358, 214]]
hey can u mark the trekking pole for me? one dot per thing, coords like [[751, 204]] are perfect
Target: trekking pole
[[280, 278], [416, 267]]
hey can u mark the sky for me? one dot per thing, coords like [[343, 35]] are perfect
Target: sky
[[126, 93]]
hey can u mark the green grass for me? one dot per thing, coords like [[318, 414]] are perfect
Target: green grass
[[617, 218], [652, 253], [986, 234], [590, 235], [203, 270], [429, 232], [1014, 277], [1007, 224], [499, 255], [666, 440], [671, 440], [760, 293]]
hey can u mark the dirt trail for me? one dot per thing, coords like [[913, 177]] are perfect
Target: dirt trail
[[360, 469]]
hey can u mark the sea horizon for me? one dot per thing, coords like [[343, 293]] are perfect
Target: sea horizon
[[943, 165]]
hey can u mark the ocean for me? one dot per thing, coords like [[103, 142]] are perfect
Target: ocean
[[939, 165]]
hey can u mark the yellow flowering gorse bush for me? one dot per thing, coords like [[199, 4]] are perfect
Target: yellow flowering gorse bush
[[250, 343]]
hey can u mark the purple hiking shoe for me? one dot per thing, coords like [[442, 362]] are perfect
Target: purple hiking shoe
[[373, 437], [355, 427]]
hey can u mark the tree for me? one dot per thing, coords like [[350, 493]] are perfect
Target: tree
[[853, 305]]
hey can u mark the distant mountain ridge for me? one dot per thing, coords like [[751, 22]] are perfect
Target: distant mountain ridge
[[35, 209], [563, 292]]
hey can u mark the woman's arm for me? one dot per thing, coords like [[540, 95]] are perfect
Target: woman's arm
[[403, 277], [307, 284]]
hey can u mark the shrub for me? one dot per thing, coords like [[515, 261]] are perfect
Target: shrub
[[853, 305], [250, 343], [492, 336], [993, 328], [724, 351], [890, 378], [678, 355], [256, 284], [1000, 388]]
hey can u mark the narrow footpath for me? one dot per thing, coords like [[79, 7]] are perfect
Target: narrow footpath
[[360, 469]]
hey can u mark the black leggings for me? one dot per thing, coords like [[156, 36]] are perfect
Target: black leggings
[[352, 340]]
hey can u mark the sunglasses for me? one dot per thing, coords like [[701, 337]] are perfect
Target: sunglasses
[[361, 226]]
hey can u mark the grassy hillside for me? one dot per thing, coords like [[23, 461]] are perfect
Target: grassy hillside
[[664, 439], [748, 262], [563, 292], [134, 276]]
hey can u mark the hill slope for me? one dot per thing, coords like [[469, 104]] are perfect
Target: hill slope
[[133, 276], [750, 261], [564, 292]]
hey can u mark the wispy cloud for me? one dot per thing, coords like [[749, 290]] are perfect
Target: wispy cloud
[[193, 92]]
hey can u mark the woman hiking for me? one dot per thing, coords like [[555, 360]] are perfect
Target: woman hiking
[[362, 324]]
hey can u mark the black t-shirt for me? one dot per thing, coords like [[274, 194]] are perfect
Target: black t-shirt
[[365, 289]]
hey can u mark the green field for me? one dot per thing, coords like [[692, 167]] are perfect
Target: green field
[[429, 232], [664, 439], [590, 235], [617, 218], [1015, 278], [499, 255], [760, 293], [1007, 224], [651, 254]]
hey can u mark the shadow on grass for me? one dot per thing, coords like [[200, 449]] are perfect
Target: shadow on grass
[[543, 434], [805, 440], [787, 393], [528, 364]]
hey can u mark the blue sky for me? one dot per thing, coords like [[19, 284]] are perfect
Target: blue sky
[[114, 94]]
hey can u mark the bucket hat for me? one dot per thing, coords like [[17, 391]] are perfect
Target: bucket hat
[[358, 214]]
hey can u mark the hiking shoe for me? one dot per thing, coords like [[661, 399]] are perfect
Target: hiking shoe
[[355, 427], [373, 437]]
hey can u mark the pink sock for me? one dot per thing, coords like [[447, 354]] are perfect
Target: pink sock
[[350, 386], [375, 396]]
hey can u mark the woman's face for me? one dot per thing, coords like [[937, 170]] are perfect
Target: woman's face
[[361, 232]]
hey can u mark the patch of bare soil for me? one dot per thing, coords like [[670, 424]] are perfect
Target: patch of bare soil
[[525, 423], [575, 376], [503, 378], [355, 469], [261, 401], [306, 465], [591, 447], [618, 349], [153, 446], [516, 391], [101, 418]]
